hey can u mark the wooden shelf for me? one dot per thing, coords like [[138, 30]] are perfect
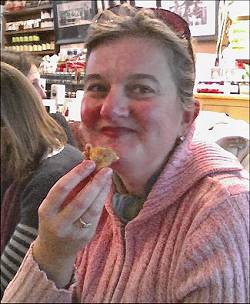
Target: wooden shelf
[[24, 14], [246, 17], [33, 30], [229, 98], [235, 106], [27, 11], [246, 61], [43, 53]]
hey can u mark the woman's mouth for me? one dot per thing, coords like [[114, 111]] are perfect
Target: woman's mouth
[[116, 131]]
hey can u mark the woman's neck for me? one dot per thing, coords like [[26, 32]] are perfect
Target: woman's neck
[[138, 182]]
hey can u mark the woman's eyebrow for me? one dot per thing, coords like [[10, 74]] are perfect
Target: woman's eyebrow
[[141, 76], [92, 77]]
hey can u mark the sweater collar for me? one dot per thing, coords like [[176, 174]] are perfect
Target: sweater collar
[[190, 162]]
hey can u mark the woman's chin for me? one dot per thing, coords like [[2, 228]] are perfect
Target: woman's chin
[[120, 167], [124, 163]]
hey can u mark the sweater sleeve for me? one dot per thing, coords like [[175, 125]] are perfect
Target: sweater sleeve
[[214, 264], [26, 230], [14, 253], [31, 285]]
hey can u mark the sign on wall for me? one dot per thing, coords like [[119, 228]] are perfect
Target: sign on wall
[[202, 16], [72, 19]]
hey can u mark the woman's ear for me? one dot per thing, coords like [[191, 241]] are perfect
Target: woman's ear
[[197, 108], [189, 116]]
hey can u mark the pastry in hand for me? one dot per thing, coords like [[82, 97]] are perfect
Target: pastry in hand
[[103, 157]]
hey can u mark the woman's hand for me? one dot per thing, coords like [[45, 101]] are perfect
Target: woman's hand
[[61, 234]]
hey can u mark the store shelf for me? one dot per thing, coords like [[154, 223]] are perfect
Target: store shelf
[[33, 30], [46, 34], [235, 106], [225, 97], [246, 61], [246, 17], [27, 11], [43, 53]]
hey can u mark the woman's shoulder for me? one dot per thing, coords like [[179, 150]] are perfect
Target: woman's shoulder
[[72, 151], [67, 152], [52, 168], [59, 163], [43, 179]]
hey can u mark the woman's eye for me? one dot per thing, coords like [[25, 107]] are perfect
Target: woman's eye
[[35, 83], [96, 88], [140, 90]]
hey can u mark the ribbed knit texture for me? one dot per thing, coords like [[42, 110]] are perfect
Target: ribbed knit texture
[[188, 244], [32, 286]]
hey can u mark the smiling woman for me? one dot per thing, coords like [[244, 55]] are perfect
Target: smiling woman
[[127, 104], [161, 227]]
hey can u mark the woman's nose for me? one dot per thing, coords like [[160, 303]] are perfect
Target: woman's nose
[[115, 105], [41, 92]]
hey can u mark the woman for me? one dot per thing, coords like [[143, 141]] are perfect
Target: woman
[[27, 64], [34, 155], [176, 205]]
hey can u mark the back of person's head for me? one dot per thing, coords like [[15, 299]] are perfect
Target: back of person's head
[[27, 64], [127, 21], [20, 60], [27, 130]]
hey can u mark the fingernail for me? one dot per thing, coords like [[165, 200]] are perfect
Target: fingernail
[[89, 164], [107, 171]]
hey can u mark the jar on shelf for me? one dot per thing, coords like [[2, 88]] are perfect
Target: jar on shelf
[[39, 48], [25, 48]]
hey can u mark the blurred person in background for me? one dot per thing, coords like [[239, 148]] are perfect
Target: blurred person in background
[[169, 222], [34, 155], [28, 65]]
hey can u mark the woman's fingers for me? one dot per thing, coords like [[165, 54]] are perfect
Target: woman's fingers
[[89, 198], [65, 185], [92, 214]]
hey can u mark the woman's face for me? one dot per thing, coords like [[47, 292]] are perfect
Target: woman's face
[[34, 78], [131, 103]]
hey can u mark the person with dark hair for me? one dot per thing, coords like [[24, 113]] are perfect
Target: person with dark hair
[[168, 221], [27, 64], [34, 155]]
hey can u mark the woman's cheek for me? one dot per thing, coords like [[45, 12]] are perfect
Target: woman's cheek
[[143, 114], [89, 114]]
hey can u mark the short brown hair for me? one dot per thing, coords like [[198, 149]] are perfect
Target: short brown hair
[[131, 22], [27, 130]]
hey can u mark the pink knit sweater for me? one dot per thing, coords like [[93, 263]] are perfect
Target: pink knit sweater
[[189, 243]]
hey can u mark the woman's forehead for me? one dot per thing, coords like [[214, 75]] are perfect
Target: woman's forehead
[[129, 55], [130, 44]]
